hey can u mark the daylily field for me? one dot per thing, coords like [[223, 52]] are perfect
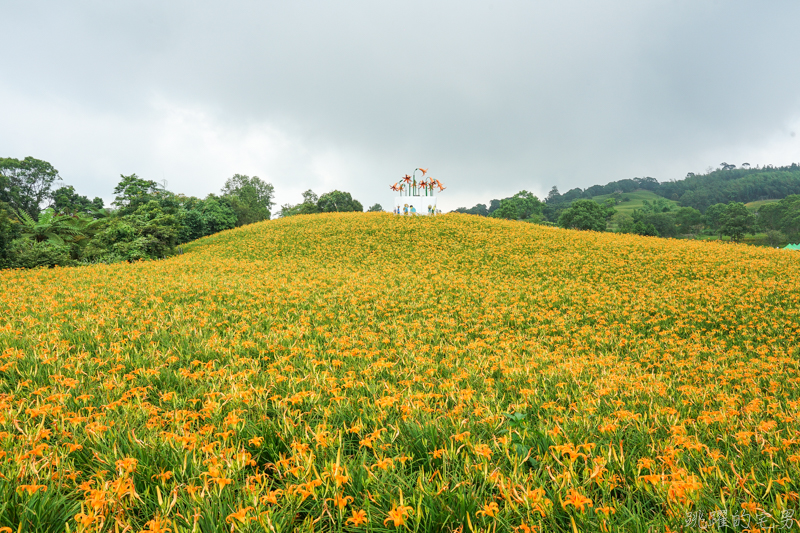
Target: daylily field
[[367, 372]]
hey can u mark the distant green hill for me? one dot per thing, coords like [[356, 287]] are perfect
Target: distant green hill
[[730, 184], [721, 186], [755, 187], [629, 201]]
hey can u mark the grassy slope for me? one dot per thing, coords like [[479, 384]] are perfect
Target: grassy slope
[[637, 199], [442, 364], [753, 206]]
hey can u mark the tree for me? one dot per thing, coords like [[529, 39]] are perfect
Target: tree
[[338, 201], [585, 215], [790, 219], [150, 232], [507, 210], [25, 253], [251, 198], [52, 239], [217, 215], [641, 223], [25, 185], [553, 196], [645, 229], [310, 197], [663, 224], [775, 237], [9, 230], [521, 206], [133, 191], [714, 215], [308, 207], [768, 216], [623, 222], [647, 183], [638, 227], [572, 194], [689, 220], [658, 205], [206, 217], [736, 221], [377, 208], [479, 209], [66, 200], [48, 226]]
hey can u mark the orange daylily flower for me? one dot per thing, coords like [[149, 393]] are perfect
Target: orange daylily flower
[[340, 501], [398, 515], [577, 500], [272, 496], [156, 525], [605, 510], [483, 450], [383, 464], [358, 517], [240, 515], [490, 509], [163, 476], [32, 489]]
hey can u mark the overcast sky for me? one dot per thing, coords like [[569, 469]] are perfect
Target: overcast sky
[[493, 97]]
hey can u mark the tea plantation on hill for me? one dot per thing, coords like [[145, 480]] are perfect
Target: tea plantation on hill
[[367, 372]]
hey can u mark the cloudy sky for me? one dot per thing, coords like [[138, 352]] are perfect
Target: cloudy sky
[[492, 97]]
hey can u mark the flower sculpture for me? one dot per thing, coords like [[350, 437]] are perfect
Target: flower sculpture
[[410, 186]]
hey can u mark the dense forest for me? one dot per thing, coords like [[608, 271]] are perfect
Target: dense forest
[[45, 225], [696, 206]]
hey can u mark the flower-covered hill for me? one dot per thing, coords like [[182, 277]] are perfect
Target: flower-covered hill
[[366, 371]]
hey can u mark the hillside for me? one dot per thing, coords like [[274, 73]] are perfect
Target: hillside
[[733, 185], [754, 206], [629, 202], [723, 185], [371, 372]]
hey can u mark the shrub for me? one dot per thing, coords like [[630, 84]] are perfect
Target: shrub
[[26, 253]]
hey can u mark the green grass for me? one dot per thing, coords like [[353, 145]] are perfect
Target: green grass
[[636, 200], [753, 206]]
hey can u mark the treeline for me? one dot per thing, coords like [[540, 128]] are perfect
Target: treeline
[[41, 225], [334, 201], [779, 221], [724, 185], [145, 221], [707, 204], [526, 206], [734, 220], [730, 184]]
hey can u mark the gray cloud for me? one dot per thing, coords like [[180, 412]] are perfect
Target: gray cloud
[[493, 97]]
